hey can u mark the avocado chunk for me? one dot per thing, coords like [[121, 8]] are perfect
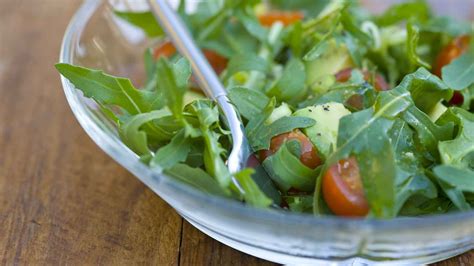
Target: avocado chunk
[[324, 133], [279, 112]]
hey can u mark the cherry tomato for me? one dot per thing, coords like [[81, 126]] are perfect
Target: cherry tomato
[[379, 81], [309, 155], [452, 51], [285, 17], [217, 62], [342, 189]]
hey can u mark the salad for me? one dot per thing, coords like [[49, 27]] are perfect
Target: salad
[[348, 113]]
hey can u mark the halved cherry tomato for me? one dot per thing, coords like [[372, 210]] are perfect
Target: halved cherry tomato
[[285, 17], [379, 81], [217, 62], [342, 189], [452, 51], [309, 155]]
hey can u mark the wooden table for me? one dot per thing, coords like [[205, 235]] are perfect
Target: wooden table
[[62, 200]]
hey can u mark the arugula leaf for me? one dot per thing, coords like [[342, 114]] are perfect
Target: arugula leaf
[[197, 178], [426, 89], [456, 177], [172, 153], [429, 133], [410, 180], [208, 116], [251, 24], [291, 85], [417, 10], [249, 103], [303, 203], [107, 89], [246, 62], [287, 170], [143, 20], [459, 151], [260, 134], [459, 74], [459, 178], [173, 79], [413, 33], [252, 193], [133, 136]]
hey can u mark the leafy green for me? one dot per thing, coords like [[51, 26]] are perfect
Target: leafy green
[[107, 89], [198, 178], [417, 10], [412, 44], [172, 153], [459, 74], [143, 20], [252, 195], [246, 62], [459, 178], [291, 85], [287, 171], [133, 136], [426, 89], [260, 134], [460, 150], [250, 103]]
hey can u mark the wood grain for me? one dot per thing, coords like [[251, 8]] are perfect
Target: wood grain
[[62, 200]]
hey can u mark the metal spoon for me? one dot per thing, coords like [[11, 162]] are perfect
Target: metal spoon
[[207, 79]]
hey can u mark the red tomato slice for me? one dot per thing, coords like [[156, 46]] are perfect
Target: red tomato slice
[[285, 17], [309, 155], [342, 189], [380, 84]]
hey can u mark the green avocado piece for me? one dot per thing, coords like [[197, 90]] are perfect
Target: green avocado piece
[[324, 133]]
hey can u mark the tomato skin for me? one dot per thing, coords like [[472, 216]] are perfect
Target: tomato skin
[[309, 155], [342, 189], [285, 17], [450, 52], [380, 84], [217, 62]]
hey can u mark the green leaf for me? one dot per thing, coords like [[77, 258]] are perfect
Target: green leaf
[[459, 74], [459, 151], [426, 89], [143, 20], [246, 62], [110, 90], [172, 153], [415, 10], [410, 180], [132, 134], [317, 50], [208, 117], [253, 195], [252, 25], [172, 79], [291, 85], [429, 133], [287, 171], [412, 44], [249, 103], [261, 135], [197, 178], [302, 204], [459, 178]]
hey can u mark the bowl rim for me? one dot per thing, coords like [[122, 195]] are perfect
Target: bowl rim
[[126, 158]]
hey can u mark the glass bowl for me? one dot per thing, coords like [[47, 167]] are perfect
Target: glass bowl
[[95, 38]]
